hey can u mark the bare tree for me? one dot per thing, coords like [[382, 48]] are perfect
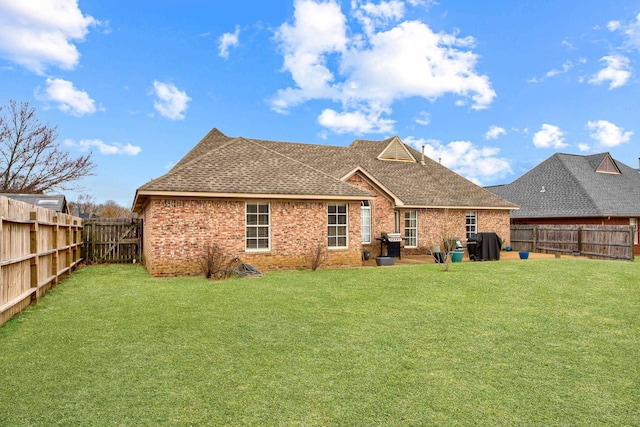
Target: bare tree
[[111, 209], [85, 204], [30, 158]]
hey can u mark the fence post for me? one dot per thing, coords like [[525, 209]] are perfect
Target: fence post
[[580, 240]]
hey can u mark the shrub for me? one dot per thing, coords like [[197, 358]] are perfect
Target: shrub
[[213, 262]]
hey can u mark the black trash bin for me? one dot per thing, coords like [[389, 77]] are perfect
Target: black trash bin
[[438, 257]]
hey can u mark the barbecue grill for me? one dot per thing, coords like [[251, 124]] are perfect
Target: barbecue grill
[[392, 242]]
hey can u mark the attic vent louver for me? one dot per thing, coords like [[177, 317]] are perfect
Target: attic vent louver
[[607, 165], [397, 151]]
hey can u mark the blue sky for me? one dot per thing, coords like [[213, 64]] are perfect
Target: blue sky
[[490, 88]]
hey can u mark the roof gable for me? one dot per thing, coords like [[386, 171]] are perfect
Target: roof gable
[[396, 151], [607, 165]]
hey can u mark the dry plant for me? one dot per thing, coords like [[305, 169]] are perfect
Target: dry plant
[[213, 262], [318, 257], [445, 241]]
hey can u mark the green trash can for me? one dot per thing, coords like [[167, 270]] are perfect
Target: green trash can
[[456, 256]]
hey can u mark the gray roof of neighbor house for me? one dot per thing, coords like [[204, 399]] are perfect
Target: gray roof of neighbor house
[[57, 203], [222, 165], [567, 185]]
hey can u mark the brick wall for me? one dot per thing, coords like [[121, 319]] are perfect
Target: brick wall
[[382, 220], [433, 224], [177, 231], [436, 224]]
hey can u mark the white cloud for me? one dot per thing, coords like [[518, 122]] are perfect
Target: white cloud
[[423, 118], [69, 99], [549, 136], [372, 15], [319, 29], [38, 34], [608, 134], [357, 122], [171, 102], [584, 147], [617, 71], [463, 157], [494, 132], [103, 148], [565, 67], [228, 40], [613, 25], [631, 32], [368, 72]]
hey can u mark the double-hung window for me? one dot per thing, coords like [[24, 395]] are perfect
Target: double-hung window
[[365, 216], [337, 227], [634, 224], [472, 223], [257, 228], [411, 229]]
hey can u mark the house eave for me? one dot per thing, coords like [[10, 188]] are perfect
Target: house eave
[[142, 196], [396, 200], [479, 208]]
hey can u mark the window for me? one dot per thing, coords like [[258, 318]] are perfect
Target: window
[[257, 228], [634, 224], [396, 221], [337, 225], [472, 223], [411, 229], [365, 215]]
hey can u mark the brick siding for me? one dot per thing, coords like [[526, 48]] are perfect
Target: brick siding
[[178, 230]]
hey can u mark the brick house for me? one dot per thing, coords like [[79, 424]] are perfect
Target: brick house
[[568, 189], [273, 204]]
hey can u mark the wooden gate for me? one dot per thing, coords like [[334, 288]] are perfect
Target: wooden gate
[[114, 240]]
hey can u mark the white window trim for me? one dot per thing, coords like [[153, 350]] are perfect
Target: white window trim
[[415, 214], [466, 223], [346, 205], [633, 222], [246, 226], [365, 206]]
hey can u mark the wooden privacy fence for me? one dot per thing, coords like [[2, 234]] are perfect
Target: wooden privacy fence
[[596, 241], [117, 240], [38, 247]]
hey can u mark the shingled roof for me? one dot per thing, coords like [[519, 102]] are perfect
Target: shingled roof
[[220, 165], [567, 185], [57, 203]]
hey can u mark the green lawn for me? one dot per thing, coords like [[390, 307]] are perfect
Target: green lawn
[[536, 342]]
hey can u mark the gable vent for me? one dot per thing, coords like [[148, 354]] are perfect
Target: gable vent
[[397, 151], [607, 165]]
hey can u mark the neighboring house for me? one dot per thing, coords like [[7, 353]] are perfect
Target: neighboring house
[[572, 189], [274, 204], [57, 203]]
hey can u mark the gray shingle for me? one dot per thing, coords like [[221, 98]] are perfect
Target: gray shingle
[[572, 187]]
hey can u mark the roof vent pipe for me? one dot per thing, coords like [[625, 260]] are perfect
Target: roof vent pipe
[[422, 161]]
